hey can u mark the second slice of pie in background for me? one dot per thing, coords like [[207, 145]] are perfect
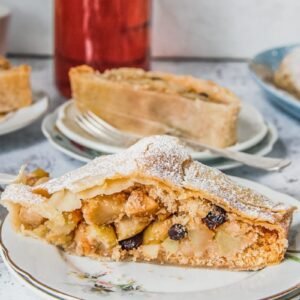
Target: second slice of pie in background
[[128, 97]]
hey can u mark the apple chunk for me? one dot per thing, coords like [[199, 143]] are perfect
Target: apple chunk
[[228, 244], [157, 232], [103, 209], [139, 204], [129, 227], [104, 235]]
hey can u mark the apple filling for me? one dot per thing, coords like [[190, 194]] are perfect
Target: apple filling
[[140, 223]]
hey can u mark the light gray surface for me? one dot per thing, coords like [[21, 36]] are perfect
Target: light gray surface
[[29, 146]]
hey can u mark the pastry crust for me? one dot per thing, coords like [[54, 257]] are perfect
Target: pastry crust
[[287, 76], [153, 203], [14, 86], [132, 99]]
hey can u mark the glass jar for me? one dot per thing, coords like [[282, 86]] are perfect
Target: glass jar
[[101, 33]]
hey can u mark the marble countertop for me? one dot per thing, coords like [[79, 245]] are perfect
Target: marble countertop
[[28, 146]]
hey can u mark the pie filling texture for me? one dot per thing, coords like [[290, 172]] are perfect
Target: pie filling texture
[[141, 218], [137, 224]]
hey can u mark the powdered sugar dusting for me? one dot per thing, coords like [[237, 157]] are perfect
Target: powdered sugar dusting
[[166, 159], [163, 158], [158, 156], [102, 167], [20, 193], [217, 184]]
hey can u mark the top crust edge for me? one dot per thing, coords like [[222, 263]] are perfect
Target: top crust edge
[[216, 91], [165, 159]]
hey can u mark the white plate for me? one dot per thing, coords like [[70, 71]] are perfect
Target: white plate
[[85, 154], [4, 117], [64, 276], [263, 148], [25, 116], [251, 130]]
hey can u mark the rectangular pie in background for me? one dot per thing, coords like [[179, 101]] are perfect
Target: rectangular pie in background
[[152, 203], [14, 86], [132, 99]]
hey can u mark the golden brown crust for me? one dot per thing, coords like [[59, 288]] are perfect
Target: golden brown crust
[[211, 118], [14, 86]]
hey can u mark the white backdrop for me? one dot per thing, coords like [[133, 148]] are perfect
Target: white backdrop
[[197, 28]]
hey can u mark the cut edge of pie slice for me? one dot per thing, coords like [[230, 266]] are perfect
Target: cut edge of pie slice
[[152, 203]]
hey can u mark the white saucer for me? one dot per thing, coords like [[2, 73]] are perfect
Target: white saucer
[[85, 154], [251, 130], [25, 116], [52, 273]]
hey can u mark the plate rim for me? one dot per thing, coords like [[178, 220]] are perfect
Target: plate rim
[[25, 281], [34, 283], [262, 152], [41, 96], [56, 145], [203, 155], [267, 149], [18, 270]]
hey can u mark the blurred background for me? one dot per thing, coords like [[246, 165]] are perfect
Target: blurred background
[[190, 28]]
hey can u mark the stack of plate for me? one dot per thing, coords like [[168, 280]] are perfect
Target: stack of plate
[[62, 131]]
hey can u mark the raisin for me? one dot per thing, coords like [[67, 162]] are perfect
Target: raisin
[[203, 94], [155, 78], [133, 242], [215, 218], [177, 232]]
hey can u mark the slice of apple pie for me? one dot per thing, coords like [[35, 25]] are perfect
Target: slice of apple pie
[[14, 86], [148, 103], [152, 203]]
